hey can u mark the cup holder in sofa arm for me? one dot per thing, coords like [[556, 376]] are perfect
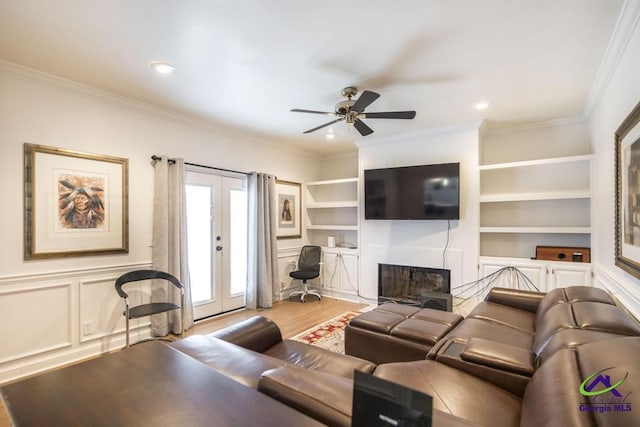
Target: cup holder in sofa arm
[[504, 365]]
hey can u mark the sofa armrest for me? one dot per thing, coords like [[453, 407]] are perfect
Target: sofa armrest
[[327, 398], [257, 333], [523, 300], [500, 356]]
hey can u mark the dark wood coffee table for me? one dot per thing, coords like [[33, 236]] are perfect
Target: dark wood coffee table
[[147, 384]]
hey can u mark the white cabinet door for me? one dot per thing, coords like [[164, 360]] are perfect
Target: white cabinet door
[[340, 270], [349, 273], [569, 274], [330, 270], [530, 276]]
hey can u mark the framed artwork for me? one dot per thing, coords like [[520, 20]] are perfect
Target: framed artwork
[[289, 214], [627, 165], [75, 204]]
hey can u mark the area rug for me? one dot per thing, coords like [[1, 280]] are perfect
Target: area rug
[[328, 335]]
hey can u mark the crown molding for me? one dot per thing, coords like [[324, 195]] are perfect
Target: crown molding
[[622, 32], [488, 130], [429, 133]]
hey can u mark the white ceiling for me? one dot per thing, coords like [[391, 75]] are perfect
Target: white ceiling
[[245, 63]]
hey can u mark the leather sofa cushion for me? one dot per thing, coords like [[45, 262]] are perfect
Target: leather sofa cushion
[[327, 398], [571, 294], [498, 355], [229, 359], [470, 328], [438, 316], [505, 315], [570, 338], [256, 333], [419, 330], [378, 320], [605, 318], [516, 298], [318, 359], [553, 398], [456, 392]]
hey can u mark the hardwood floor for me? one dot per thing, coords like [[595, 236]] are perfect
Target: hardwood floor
[[292, 318]]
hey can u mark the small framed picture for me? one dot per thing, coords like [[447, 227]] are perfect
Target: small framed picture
[[289, 215], [75, 204]]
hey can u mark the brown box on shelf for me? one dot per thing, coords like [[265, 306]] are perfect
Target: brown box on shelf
[[562, 253]]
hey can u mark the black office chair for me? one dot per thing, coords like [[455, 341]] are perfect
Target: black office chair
[[148, 309], [308, 268]]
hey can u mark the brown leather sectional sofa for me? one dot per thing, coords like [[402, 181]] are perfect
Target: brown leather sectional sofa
[[570, 357]]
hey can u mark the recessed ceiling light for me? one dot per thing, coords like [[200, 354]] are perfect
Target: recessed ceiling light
[[162, 67], [330, 136], [481, 105]]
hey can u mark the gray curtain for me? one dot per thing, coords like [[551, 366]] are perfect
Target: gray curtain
[[170, 244], [262, 270]]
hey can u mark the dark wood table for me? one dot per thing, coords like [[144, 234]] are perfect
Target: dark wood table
[[147, 384]]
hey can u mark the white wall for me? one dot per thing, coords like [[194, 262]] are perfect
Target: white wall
[[45, 303], [619, 97], [422, 243]]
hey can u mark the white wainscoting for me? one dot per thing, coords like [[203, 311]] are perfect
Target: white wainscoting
[[628, 293], [287, 262], [58, 318]]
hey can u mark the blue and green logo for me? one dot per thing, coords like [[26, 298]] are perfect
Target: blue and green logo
[[604, 394]]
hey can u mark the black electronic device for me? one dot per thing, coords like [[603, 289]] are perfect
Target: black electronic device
[[378, 402], [413, 192]]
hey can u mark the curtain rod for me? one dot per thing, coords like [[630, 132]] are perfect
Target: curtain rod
[[171, 161]]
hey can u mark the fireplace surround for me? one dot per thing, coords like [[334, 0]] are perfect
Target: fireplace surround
[[417, 286]]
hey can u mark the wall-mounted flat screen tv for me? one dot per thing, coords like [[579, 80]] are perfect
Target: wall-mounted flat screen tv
[[413, 192]]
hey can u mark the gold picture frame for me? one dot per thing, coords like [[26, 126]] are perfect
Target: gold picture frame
[[627, 181], [75, 204], [288, 195]]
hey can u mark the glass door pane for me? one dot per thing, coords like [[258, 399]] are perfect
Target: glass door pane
[[199, 235]]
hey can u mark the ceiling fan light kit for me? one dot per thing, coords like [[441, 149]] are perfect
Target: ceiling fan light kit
[[352, 111]]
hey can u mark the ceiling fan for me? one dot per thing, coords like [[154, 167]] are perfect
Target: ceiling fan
[[352, 111]]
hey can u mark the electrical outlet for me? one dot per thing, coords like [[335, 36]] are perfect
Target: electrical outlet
[[86, 328]]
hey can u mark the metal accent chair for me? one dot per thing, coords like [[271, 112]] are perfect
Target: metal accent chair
[[309, 263], [148, 309]]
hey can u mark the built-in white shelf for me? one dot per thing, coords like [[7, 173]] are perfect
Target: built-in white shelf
[[538, 162], [537, 230], [332, 205], [520, 197], [333, 182], [333, 227]]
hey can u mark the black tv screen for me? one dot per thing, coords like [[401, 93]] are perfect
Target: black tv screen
[[413, 192]]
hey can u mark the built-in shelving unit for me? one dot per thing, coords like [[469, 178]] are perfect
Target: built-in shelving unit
[[548, 200], [542, 198], [331, 209]]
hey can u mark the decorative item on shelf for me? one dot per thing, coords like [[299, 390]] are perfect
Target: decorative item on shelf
[[627, 172], [331, 242], [75, 204], [562, 253], [289, 216]]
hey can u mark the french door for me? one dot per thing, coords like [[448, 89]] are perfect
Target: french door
[[217, 241]]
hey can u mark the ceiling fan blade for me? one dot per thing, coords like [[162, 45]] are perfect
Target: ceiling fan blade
[[324, 125], [362, 127], [391, 115], [365, 99], [298, 110]]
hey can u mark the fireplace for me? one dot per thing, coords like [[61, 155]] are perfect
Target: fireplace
[[417, 286]]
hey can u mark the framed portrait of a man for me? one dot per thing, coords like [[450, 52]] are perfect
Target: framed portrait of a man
[[75, 203], [289, 214]]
